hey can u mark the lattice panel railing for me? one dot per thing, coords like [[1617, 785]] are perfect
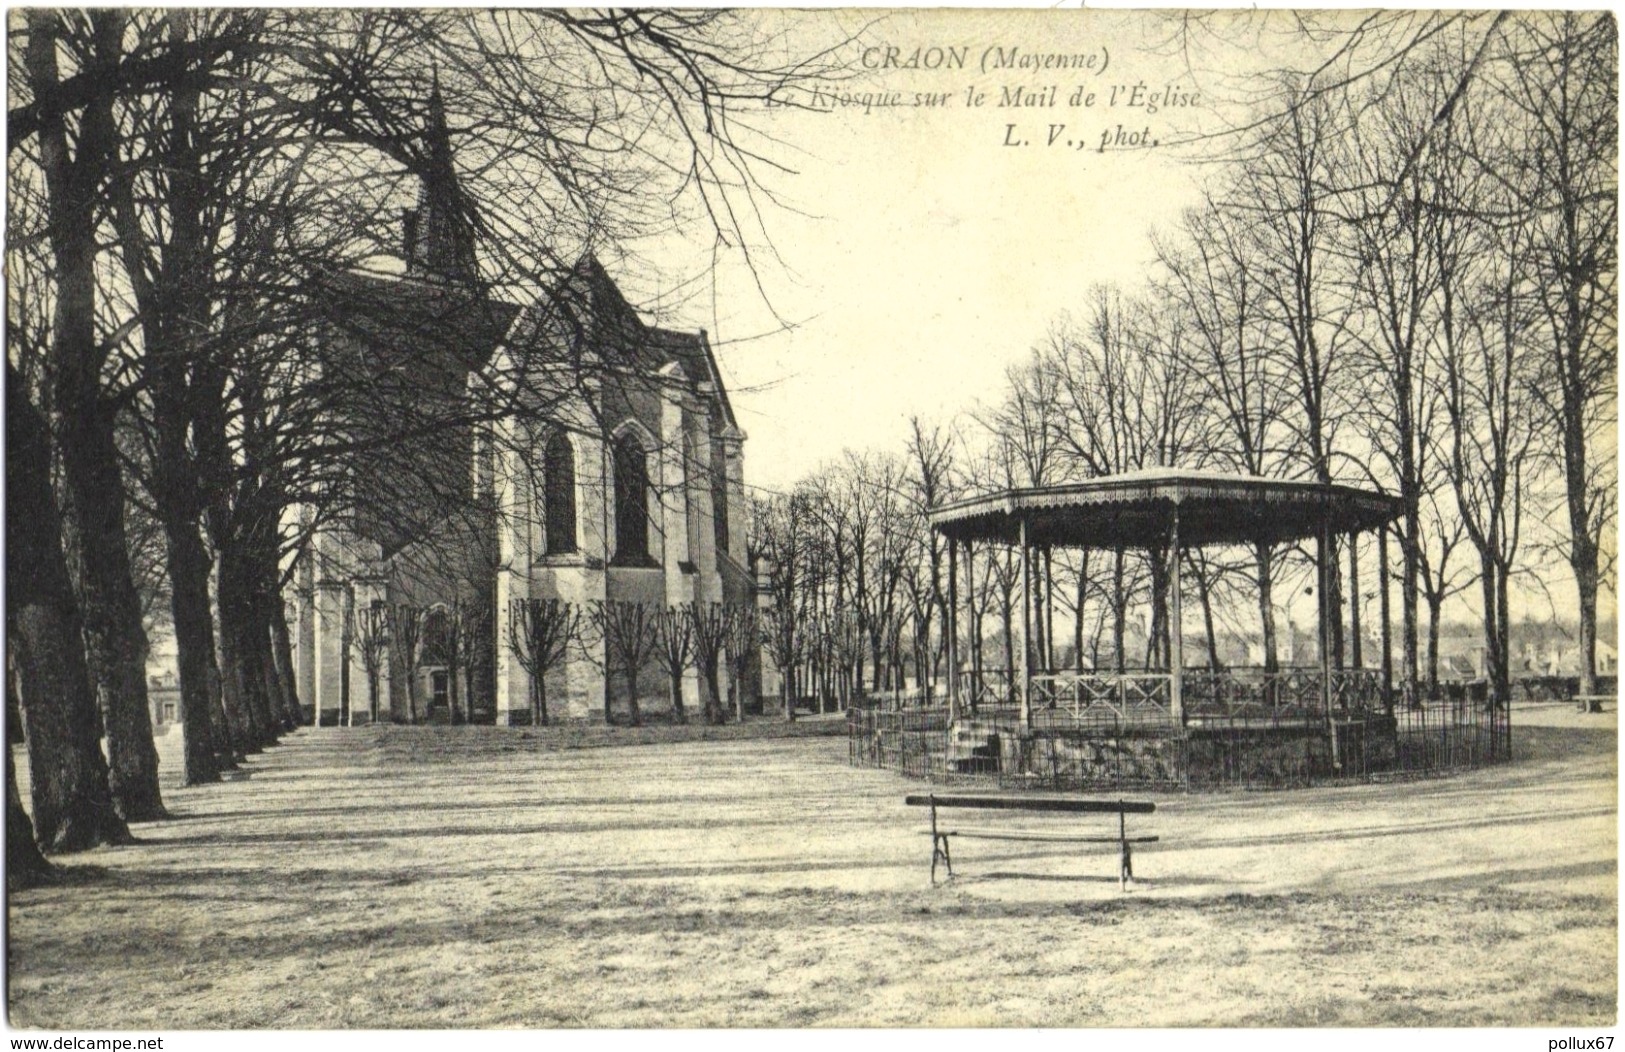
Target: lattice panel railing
[[1356, 690]]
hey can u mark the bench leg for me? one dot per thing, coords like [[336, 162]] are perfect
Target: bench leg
[[1125, 860], [939, 850]]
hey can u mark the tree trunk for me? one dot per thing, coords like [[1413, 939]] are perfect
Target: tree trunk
[[1205, 596], [1156, 650], [1077, 620], [410, 674], [1409, 594], [677, 711], [1503, 625], [1496, 664], [1266, 605], [82, 419], [242, 678], [1334, 600], [68, 776], [1357, 654], [25, 865], [116, 641], [194, 642], [633, 710], [714, 712], [1584, 563], [1008, 616], [282, 661], [228, 750], [1119, 614], [1434, 603]]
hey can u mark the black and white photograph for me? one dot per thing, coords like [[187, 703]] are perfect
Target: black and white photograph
[[555, 519]]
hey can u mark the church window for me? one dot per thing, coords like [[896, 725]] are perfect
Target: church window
[[436, 645], [559, 494], [631, 502]]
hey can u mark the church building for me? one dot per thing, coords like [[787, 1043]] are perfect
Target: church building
[[556, 449]]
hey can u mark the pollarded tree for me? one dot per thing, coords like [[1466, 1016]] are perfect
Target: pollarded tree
[[540, 634], [448, 634], [674, 648], [372, 641], [630, 638], [710, 631], [743, 648], [406, 633]]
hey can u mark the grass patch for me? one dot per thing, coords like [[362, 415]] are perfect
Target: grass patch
[[475, 877]]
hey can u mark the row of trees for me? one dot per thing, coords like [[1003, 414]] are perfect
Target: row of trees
[[703, 638], [619, 639], [1403, 276], [187, 190]]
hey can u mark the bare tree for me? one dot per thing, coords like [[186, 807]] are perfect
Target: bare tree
[[75, 160], [540, 634], [1558, 75], [1489, 397], [406, 635], [26, 867], [372, 641], [930, 485], [1283, 199], [630, 638], [674, 648], [73, 809], [460, 627], [710, 630], [1213, 276], [743, 649]]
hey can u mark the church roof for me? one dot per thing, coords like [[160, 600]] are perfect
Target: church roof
[[588, 308]]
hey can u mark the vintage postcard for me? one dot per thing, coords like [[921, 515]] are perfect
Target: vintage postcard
[[651, 519]]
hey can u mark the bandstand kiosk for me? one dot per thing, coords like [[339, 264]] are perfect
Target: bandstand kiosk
[[1168, 511]]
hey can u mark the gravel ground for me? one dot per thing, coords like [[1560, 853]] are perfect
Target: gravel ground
[[469, 877]]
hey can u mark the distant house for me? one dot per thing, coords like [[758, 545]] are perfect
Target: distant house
[[164, 698]]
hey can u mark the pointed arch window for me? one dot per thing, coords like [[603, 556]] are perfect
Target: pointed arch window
[[559, 494], [436, 632], [631, 502]]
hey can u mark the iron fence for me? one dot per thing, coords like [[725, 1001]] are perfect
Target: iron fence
[[1062, 752]]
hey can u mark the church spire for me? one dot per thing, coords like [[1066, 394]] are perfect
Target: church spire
[[440, 236]]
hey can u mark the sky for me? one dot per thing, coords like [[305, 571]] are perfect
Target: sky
[[915, 254], [918, 255]]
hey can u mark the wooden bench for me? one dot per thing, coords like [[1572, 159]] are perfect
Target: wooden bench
[[1592, 702], [1022, 802]]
